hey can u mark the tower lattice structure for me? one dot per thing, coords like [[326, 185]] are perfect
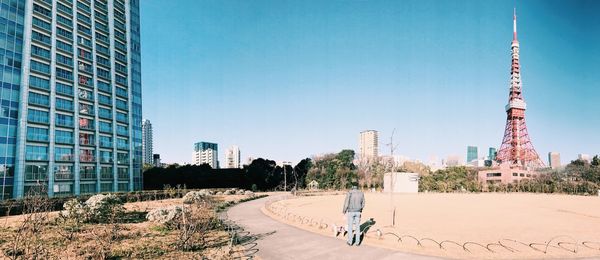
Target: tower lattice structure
[[517, 149]]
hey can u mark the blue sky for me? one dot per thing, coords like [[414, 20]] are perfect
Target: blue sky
[[287, 80]]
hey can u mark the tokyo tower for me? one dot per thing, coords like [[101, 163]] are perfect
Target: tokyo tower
[[516, 149]]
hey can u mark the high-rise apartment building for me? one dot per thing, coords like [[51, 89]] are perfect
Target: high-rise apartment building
[[71, 97], [232, 157], [554, 160], [368, 144], [206, 153], [471, 153], [147, 143]]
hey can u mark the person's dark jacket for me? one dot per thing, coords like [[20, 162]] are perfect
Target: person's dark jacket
[[354, 202]]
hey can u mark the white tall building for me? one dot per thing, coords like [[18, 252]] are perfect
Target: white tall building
[[206, 153], [232, 157], [554, 159], [368, 145], [147, 143], [584, 157]]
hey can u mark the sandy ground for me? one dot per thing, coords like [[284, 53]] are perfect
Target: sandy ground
[[514, 225]]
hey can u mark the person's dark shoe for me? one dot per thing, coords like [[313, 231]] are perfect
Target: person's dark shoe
[[348, 244]]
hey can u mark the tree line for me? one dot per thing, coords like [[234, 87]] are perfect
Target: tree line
[[260, 175]]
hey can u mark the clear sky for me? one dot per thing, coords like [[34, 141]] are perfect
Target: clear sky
[[286, 80]]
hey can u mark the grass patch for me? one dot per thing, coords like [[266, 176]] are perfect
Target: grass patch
[[160, 229]]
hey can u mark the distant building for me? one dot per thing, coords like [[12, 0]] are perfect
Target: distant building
[[504, 174], [471, 153], [156, 160], [147, 143], [206, 153], [453, 160], [584, 157], [554, 160], [492, 153], [368, 145], [232, 157]]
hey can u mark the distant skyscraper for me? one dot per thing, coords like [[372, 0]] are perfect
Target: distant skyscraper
[[554, 159], [368, 144], [147, 143], [492, 154], [471, 153], [71, 97], [453, 160], [156, 160], [584, 157], [206, 153], [232, 157]]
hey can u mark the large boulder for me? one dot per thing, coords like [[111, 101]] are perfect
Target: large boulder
[[76, 210], [249, 193], [195, 196], [229, 192], [239, 192], [168, 216], [102, 207]]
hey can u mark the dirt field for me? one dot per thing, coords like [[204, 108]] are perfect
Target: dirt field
[[475, 226]]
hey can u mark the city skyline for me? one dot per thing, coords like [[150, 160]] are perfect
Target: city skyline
[[280, 80]]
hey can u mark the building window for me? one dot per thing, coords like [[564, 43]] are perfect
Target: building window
[[106, 187], [86, 109], [64, 46], [123, 158], [65, 74], [106, 173], [86, 139], [34, 172], [106, 141], [63, 172], [122, 144], [103, 99], [105, 127], [39, 83], [86, 155], [40, 67], [122, 130], [64, 120], [37, 134], [64, 89], [63, 137], [104, 113], [105, 156], [36, 153], [37, 116], [86, 124], [63, 154], [39, 99], [64, 104], [87, 188], [87, 172]]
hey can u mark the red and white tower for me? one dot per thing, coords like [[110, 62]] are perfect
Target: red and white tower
[[516, 149]]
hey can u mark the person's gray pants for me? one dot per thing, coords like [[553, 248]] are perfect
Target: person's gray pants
[[353, 224]]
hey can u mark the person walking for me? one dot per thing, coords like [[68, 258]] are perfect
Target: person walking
[[353, 206]]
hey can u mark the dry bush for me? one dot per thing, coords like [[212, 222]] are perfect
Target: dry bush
[[26, 241], [194, 225]]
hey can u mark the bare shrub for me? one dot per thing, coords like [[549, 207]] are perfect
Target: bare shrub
[[195, 223], [26, 241]]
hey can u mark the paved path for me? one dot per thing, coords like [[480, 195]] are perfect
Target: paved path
[[282, 241]]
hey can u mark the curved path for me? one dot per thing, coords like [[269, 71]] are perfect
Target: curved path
[[277, 240]]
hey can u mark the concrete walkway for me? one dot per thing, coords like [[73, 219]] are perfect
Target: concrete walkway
[[281, 241]]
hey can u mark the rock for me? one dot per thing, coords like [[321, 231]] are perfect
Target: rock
[[195, 196], [228, 192], [75, 209], [100, 207], [249, 193], [167, 216], [239, 192], [219, 193]]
